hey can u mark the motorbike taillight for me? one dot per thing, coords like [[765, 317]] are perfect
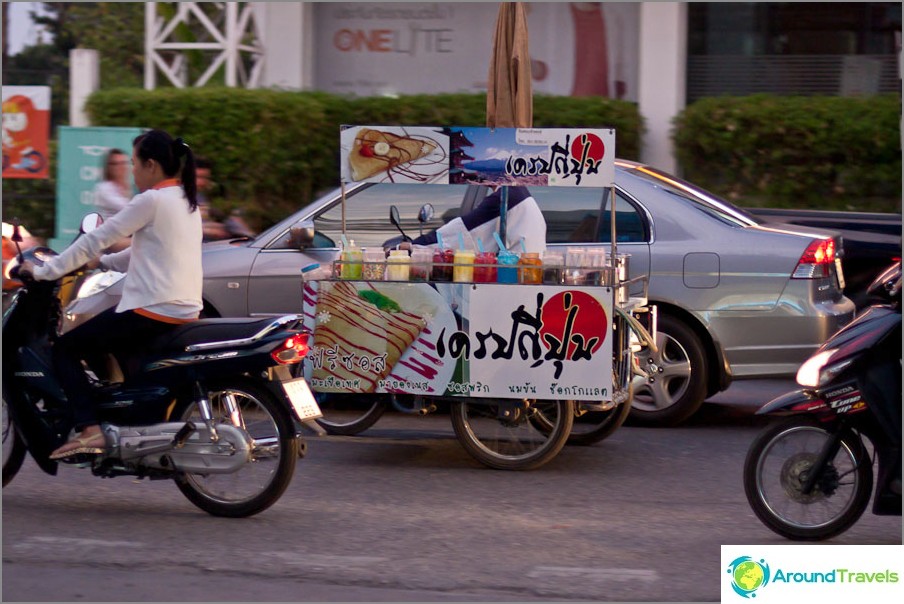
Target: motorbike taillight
[[292, 350]]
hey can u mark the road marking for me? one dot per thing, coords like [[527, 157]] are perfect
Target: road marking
[[75, 542], [325, 560], [594, 574]]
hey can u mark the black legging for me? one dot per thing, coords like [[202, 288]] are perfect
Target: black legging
[[108, 332]]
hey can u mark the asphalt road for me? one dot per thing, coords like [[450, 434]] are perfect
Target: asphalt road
[[402, 513]]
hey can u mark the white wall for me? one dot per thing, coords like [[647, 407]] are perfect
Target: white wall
[[84, 78], [663, 76], [285, 29]]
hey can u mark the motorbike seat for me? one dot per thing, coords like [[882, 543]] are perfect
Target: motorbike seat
[[206, 331]]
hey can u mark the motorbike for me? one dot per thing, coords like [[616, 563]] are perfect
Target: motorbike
[[810, 476], [211, 405]]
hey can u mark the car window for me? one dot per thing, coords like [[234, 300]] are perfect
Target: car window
[[367, 212], [630, 226], [707, 202], [573, 215]]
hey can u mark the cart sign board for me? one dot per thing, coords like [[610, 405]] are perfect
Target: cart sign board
[[554, 157], [460, 339]]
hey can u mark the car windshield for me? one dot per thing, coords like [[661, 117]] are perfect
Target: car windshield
[[707, 202]]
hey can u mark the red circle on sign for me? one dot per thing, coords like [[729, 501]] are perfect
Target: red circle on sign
[[595, 147], [589, 321]]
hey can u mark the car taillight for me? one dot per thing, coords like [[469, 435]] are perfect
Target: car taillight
[[814, 263], [292, 350]]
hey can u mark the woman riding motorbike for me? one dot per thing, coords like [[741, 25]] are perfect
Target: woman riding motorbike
[[163, 274]]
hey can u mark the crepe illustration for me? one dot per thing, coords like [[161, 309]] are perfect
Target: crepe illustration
[[363, 334], [374, 152]]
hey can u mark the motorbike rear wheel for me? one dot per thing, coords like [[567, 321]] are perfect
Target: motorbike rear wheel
[[777, 463], [14, 448], [501, 435], [261, 481]]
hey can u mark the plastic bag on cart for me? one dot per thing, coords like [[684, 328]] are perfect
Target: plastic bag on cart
[[524, 220]]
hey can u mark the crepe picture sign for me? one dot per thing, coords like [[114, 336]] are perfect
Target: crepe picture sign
[[394, 154], [363, 334]]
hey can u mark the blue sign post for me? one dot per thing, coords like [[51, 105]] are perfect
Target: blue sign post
[[81, 166]]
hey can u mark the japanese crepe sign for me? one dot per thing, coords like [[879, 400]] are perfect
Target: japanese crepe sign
[[460, 339], [553, 157]]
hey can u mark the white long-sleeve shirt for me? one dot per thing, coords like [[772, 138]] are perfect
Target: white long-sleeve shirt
[[108, 199], [163, 264]]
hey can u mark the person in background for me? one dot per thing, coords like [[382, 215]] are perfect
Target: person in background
[[115, 190], [216, 224], [163, 274]]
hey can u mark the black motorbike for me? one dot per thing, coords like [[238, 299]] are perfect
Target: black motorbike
[[211, 405], [810, 476]]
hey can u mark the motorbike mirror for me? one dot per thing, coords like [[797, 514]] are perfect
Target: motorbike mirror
[[426, 214], [301, 235], [17, 232], [90, 222], [394, 219]]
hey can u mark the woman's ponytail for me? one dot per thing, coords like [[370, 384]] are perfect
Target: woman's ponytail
[[189, 178]]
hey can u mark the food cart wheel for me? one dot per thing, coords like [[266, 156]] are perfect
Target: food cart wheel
[[501, 435], [350, 414], [589, 427]]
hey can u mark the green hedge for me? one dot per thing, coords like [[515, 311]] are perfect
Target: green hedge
[[801, 152], [273, 151]]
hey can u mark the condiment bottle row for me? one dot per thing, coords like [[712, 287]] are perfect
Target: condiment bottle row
[[576, 267]]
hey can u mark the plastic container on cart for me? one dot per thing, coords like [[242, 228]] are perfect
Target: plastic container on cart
[[553, 268], [463, 271], [421, 259], [506, 271], [351, 262], [398, 265], [442, 264], [374, 264], [485, 267], [530, 268]]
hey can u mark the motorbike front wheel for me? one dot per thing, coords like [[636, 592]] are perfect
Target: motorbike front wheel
[[779, 461], [14, 448], [501, 434], [261, 481]]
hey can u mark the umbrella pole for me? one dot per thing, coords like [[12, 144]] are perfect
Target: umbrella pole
[[503, 212], [342, 196], [612, 231]]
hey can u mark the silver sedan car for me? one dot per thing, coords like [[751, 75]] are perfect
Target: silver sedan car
[[734, 297]]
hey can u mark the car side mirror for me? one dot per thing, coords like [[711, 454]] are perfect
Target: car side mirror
[[91, 222], [301, 235]]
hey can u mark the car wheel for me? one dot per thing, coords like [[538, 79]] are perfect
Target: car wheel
[[676, 386]]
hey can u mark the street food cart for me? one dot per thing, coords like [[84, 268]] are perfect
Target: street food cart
[[528, 347]]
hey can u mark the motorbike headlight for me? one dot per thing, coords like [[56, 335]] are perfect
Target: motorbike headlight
[[9, 267], [819, 369], [98, 282]]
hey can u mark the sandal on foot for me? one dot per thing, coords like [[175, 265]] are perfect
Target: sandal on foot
[[90, 445]]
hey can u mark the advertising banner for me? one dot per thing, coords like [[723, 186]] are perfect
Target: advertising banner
[[460, 339], [26, 130], [554, 157], [81, 166], [394, 48]]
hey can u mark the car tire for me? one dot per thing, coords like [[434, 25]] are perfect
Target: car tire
[[676, 387]]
